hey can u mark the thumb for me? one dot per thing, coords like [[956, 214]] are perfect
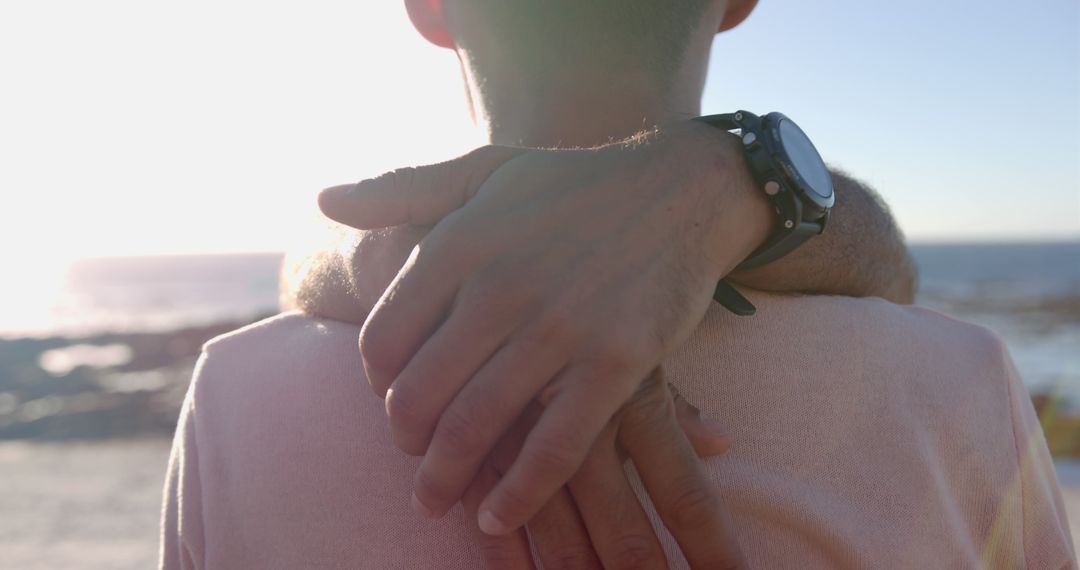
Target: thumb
[[706, 436], [420, 195]]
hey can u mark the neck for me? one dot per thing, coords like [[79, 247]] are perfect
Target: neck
[[587, 111], [579, 115], [574, 105]]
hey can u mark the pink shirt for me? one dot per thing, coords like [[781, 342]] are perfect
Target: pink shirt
[[867, 435]]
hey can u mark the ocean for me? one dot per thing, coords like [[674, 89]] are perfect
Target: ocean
[[1027, 292], [143, 294]]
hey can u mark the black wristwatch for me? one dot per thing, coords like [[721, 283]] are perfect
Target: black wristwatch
[[795, 180]]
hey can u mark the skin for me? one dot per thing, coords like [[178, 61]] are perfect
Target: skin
[[596, 520], [555, 295], [861, 254], [678, 491]]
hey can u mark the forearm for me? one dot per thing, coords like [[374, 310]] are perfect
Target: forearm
[[860, 254]]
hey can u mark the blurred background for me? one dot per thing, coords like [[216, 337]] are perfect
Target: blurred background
[[156, 159]]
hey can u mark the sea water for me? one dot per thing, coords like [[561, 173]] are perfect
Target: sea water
[[1029, 293]]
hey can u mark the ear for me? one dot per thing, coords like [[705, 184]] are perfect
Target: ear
[[737, 11], [427, 18]]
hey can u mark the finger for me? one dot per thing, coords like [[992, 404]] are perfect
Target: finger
[[560, 537], [619, 529], [426, 388], [414, 195], [510, 551], [484, 409], [428, 288], [678, 485], [708, 437], [557, 532], [410, 310], [555, 448]]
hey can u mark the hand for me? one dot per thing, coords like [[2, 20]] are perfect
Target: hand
[[596, 521], [571, 273]]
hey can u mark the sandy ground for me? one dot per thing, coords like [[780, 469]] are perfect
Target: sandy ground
[[81, 506], [91, 506]]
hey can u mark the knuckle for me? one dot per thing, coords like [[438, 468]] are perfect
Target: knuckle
[[463, 432], [402, 179], [634, 551], [439, 247], [452, 244], [452, 237], [490, 299], [652, 393], [378, 349], [648, 408], [616, 356], [406, 413], [553, 455], [641, 418], [507, 279], [556, 327], [694, 506]]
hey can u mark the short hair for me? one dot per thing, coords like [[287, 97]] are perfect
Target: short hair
[[547, 38]]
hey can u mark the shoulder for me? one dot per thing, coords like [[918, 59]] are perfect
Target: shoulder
[[279, 347], [290, 367], [925, 352], [292, 442], [916, 364], [849, 324], [291, 327], [825, 394]]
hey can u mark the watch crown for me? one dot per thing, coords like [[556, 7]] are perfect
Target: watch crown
[[749, 139], [772, 188]]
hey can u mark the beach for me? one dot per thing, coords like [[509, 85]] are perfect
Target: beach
[[81, 506]]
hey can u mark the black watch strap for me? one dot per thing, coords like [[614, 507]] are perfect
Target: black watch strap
[[732, 299], [783, 244], [724, 121]]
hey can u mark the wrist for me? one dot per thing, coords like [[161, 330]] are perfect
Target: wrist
[[741, 217]]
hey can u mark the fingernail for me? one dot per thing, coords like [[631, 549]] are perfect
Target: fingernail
[[421, 509], [491, 524]]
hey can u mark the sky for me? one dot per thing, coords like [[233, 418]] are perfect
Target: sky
[[130, 127]]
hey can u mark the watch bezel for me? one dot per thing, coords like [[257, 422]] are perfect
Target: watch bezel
[[815, 206], [802, 212]]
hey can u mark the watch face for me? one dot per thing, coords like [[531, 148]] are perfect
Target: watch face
[[806, 160]]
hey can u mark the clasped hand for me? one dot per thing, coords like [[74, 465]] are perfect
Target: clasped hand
[[551, 277]]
